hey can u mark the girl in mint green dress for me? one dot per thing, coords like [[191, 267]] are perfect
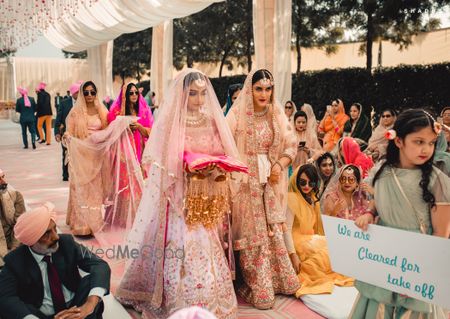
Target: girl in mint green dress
[[407, 175]]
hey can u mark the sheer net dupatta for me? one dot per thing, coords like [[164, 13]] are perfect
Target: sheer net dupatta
[[247, 230], [142, 285], [107, 155]]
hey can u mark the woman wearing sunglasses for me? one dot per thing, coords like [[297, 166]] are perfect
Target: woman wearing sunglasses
[[289, 109], [378, 142], [131, 103], [93, 149], [305, 238], [346, 196]]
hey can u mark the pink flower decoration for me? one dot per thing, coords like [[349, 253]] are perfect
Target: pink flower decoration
[[336, 129], [437, 128], [390, 134]]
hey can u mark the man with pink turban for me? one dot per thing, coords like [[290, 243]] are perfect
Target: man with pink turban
[[11, 207], [60, 123], [41, 278], [44, 113], [26, 106]]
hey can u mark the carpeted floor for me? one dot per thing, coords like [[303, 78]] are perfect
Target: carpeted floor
[[37, 175]]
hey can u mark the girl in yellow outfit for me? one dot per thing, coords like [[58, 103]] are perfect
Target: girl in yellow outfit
[[305, 238]]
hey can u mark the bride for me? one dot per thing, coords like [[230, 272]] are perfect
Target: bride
[[178, 227]]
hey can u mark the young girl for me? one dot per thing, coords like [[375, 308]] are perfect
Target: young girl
[[308, 146], [412, 195], [327, 168]]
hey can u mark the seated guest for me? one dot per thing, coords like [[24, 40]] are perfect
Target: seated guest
[[349, 152], [308, 146], [346, 197], [331, 127], [441, 156], [11, 207], [305, 239], [327, 168], [445, 115], [41, 278], [358, 126], [378, 142]]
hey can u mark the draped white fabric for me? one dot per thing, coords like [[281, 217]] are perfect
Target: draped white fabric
[[100, 68], [162, 57], [7, 80], [272, 27], [59, 74], [107, 19]]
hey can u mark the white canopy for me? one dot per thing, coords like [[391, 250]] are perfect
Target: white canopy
[[107, 19]]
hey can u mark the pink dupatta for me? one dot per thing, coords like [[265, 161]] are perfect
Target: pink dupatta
[[145, 119]]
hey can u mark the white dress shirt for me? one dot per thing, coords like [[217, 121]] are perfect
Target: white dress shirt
[[47, 303]]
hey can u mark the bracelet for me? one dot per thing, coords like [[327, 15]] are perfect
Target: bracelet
[[374, 214], [279, 164]]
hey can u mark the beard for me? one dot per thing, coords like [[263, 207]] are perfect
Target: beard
[[3, 188], [45, 250]]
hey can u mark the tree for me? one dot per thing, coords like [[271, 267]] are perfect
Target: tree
[[393, 20], [217, 34], [131, 54], [315, 24], [75, 55]]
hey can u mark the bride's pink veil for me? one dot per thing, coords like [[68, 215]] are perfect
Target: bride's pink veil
[[142, 284]]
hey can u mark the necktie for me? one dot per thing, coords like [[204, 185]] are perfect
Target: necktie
[[59, 303]]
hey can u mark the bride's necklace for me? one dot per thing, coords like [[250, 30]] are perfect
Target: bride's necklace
[[262, 113], [196, 120]]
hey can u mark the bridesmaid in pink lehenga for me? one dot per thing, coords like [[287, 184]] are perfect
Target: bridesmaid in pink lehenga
[[129, 103], [267, 144], [93, 148], [182, 261]]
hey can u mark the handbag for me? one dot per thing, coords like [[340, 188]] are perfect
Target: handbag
[[422, 227]]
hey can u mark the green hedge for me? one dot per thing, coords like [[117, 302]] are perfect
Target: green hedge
[[400, 87]]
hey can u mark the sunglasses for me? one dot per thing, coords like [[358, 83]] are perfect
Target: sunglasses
[[288, 107], [91, 93], [304, 182], [134, 93], [386, 116], [345, 179]]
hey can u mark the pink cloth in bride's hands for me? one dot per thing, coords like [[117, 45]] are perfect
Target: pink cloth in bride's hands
[[198, 161]]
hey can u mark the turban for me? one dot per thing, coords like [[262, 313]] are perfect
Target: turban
[[41, 86], [193, 313], [75, 87], [30, 226], [24, 92]]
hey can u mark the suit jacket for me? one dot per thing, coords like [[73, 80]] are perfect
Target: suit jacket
[[21, 285], [43, 104], [64, 110], [58, 100], [26, 113]]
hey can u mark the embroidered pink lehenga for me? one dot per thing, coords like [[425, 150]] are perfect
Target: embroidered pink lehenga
[[258, 208], [94, 150], [181, 262]]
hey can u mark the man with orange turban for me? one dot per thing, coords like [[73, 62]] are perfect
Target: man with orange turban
[[41, 278]]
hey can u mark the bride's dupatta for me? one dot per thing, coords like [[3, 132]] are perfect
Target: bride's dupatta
[[142, 285]]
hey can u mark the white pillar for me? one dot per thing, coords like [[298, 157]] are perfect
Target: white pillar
[[161, 64], [272, 28], [99, 60]]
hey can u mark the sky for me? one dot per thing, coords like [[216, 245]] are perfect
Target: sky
[[42, 48]]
